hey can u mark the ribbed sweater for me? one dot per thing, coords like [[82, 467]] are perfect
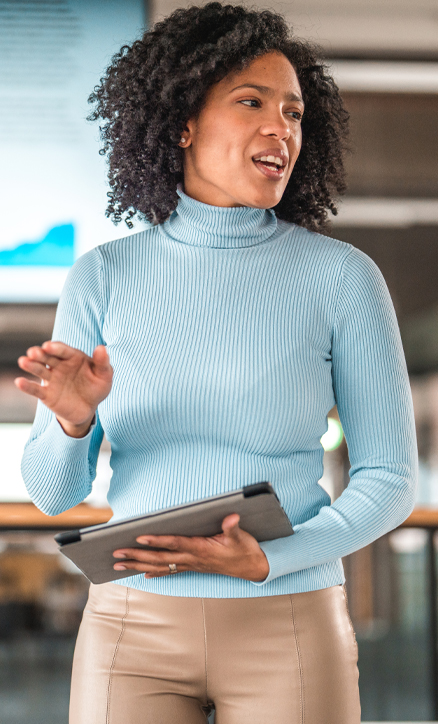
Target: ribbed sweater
[[232, 334]]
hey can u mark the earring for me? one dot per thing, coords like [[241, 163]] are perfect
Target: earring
[[183, 140]]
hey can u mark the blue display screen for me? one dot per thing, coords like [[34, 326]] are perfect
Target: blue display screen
[[52, 179]]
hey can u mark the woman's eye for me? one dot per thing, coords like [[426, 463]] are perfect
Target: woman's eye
[[249, 100], [295, 114]]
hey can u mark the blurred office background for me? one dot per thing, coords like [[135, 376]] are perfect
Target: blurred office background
[[385, 59]]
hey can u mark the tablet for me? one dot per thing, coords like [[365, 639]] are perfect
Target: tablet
[[91, 549]]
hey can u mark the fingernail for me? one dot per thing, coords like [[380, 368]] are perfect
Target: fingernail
[[119, 555], [120, 567], [145, 541]]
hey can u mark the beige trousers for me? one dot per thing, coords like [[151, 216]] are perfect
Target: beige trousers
[[143, 658]]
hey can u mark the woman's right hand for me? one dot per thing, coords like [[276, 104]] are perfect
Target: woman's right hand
[[72, 384]]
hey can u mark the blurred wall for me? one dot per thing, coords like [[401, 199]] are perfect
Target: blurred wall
[[352, 28]]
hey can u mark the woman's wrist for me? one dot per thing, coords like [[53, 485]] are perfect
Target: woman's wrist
[[263, 569], [78, 431]]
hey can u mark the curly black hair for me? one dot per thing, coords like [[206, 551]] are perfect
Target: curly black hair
[[154, 86]]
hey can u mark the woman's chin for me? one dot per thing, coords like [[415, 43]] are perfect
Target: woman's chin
[[260, 193], [263, 198]]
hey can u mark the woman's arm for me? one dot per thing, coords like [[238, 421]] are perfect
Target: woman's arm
[[59, 461], [374, 402]]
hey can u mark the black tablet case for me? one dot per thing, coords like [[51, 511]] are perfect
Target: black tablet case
[[91, 549]]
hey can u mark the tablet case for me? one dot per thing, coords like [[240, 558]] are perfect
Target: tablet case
[[91, 549]]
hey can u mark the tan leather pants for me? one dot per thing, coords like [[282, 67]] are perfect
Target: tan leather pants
[[143, 658]]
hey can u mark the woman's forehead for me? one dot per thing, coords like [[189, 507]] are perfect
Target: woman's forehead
[[269, 73]]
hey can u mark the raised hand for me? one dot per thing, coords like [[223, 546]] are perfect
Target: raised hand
[[72, 383]]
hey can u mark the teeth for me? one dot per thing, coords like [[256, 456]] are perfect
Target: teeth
[[271, 159]]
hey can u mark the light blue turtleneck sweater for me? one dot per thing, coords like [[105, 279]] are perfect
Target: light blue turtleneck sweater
[[232, 334]]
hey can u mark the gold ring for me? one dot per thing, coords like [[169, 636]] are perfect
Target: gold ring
[[172, 568]]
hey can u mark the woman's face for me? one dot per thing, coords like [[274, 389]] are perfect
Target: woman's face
[[239, 123]]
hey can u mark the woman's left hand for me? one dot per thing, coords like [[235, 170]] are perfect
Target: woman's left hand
[[234, 552]]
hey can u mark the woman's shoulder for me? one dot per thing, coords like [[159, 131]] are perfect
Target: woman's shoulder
[[117, 250], [337, 261], [314, 246], [126, 247]]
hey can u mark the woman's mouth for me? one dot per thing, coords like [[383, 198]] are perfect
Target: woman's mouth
[[271, 170]]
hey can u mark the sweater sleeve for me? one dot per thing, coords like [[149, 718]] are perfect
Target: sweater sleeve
[[374, 402], [58, 470]]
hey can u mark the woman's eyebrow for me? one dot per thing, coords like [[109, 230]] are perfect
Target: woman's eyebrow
[[268, 91]]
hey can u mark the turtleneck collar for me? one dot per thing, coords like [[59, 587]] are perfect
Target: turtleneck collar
[[222, 227]]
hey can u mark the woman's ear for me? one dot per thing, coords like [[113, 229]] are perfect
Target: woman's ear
[[189, 131], [185, 136]]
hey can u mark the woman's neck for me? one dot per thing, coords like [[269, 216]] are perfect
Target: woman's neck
[[225, 227]]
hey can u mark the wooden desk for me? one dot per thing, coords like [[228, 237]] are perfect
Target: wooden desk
[[422, 518], [26, 516]]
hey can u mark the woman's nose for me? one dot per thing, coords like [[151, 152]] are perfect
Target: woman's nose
[[276, 123]]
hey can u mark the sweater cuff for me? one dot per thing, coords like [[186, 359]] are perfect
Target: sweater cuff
[[286, 555], [62, 446]]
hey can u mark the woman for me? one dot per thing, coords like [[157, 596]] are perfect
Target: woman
[[210, 348]]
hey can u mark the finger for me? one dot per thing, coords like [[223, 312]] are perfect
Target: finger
[[35, 368], [37, 354], [230, 526], [58, 349], [170, 542], [147, 568], [30, 388], [164, 572], [155, 558], [101, 363], [159, 574]]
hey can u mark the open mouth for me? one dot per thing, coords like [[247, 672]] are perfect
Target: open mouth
[[272, 170], [269, 165]]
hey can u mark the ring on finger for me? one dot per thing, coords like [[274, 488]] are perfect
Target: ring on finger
[[173, 568]]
